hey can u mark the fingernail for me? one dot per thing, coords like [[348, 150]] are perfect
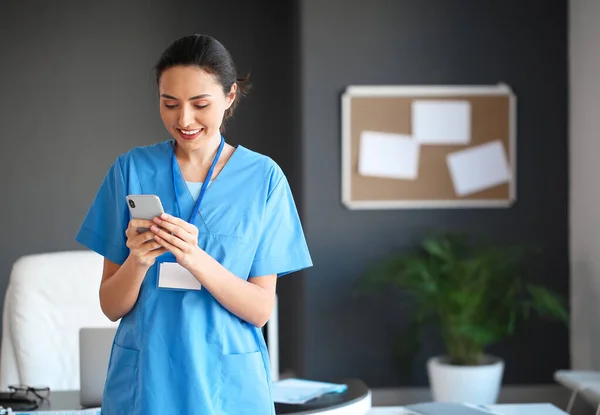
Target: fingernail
[[164, 216], [154, 228]]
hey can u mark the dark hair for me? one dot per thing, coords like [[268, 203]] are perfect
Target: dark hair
[[209, 54]]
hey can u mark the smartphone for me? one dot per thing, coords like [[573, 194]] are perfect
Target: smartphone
[[144, 207]]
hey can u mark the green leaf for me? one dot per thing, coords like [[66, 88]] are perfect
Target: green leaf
[[475, 293], [547, 304]]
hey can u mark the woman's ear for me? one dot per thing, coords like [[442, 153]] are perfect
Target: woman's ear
[[231, 95]]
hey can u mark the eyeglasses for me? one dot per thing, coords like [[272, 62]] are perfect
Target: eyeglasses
[[24, 397], [24, 391]]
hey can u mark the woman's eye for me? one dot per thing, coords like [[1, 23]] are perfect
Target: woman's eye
[[171, 106]]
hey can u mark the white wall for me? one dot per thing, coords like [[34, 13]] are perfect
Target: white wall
[[584, 44]]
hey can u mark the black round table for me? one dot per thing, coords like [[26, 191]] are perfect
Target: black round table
[[356, 400]]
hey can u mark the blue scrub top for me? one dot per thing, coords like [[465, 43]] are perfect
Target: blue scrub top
[[180, 351]]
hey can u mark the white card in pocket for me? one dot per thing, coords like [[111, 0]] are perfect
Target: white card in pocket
[[173, 275]]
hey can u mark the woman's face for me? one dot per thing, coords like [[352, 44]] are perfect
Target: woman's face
[[192, 105]]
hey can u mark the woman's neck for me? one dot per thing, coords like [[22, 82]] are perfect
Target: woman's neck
[[201, 155]]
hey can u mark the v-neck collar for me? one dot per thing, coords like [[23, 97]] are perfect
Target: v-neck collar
[[182, 192]]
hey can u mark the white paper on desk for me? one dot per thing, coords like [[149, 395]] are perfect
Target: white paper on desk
[[299, 391], [449, 408], [390, 155], [441, 122], [478, 168], [390, 410], [90, 411], [527, 409]]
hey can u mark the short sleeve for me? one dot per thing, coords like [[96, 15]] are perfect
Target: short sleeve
[[282, 247], [103, 229]]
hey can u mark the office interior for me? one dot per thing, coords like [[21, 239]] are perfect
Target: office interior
[[79, 90]]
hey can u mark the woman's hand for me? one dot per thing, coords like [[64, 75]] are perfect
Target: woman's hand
[[178, 237], [144, 249]]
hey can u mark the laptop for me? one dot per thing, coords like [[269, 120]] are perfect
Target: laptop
[[95, 345]]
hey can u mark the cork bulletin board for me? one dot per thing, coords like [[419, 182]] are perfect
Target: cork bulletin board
[[428, 147]]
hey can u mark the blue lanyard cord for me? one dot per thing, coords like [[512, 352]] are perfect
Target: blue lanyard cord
[[204, 185]]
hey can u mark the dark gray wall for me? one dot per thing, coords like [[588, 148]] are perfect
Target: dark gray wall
[[78, 90], [584, 71], [428, 42]]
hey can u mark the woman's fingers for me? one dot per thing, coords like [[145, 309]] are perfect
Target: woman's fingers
[[135, 224], [149, 247], [168, 219], [172, 239], [166, 229], [138, 240], [157, 251], [143, 246]]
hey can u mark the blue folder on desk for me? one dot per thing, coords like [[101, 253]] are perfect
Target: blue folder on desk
[[448, 408], [299, 391]]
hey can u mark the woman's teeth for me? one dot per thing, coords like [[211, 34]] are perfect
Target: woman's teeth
[[190, 132]]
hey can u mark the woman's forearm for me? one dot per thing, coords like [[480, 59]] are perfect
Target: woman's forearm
[[248, 301], [119, 293]]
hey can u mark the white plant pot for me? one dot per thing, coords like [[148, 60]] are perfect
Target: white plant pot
[[465, 384]]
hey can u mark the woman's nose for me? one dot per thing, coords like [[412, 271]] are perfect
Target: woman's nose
[[186, 117]]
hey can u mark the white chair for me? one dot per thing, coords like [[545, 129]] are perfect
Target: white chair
[[49, 298], [581, 382]]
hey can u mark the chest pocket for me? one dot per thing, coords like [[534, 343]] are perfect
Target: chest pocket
[[227, 212], [228, 227], [224, 248]]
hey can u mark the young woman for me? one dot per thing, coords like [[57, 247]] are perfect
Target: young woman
[[231, 226]]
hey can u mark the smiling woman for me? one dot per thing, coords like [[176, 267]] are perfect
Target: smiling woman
[[193, 109], [180, 349], [188, 117]]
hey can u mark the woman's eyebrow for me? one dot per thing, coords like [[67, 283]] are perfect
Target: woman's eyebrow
[[190, 99]]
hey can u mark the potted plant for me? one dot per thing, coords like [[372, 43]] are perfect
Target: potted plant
[[475, 295]]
